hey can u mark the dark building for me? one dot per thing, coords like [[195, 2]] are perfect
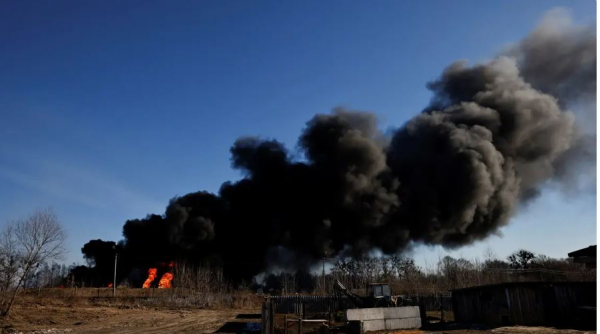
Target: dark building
[[569, 304], [585, 255]]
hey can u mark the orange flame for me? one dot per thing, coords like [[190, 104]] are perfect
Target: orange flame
[[110, 285], [150, 279], [165, 281]]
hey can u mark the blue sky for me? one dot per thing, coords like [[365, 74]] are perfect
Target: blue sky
[[110, 108]]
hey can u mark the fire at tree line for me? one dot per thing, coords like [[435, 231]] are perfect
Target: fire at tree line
[[401, 272], [447, 274], [27, 247]]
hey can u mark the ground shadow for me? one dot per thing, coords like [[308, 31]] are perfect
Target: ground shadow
[[460, 326], [450, 326], [248, 316], [239, 327]]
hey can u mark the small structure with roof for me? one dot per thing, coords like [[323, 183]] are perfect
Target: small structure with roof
[[586, 256], [571, 304]]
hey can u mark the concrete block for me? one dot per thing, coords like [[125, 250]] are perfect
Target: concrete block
[[365, 314], [401, 312], [373, 325], [380, 319], [406, 323]]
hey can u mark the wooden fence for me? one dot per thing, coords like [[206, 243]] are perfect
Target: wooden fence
[[333, 304], [435, 302], [268, 318], [309, 304]]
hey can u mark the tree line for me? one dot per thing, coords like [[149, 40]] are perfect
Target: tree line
[[31, 247], [449, 273]]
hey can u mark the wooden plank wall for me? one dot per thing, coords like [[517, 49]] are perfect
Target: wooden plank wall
[[526, 304], [310, 304]]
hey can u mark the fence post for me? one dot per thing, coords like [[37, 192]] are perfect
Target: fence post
[[271, 318], [442, 308], [265, 318], [264, 315], [422, 310]]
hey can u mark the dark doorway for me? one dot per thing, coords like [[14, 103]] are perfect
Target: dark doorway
[[550, 306]]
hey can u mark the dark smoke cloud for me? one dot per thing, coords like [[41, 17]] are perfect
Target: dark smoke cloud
[[99, 253], [492, 137], [488, 142], [559, 58], [100, 257], [576, 168]]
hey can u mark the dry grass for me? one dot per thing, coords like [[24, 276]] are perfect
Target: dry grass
[[90, 310], [135, 298], [52, 317], [59, 311]]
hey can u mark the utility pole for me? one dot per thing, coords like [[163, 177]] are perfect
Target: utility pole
[[324, 287], [115, 273]]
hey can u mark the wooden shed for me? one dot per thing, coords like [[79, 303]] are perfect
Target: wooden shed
[[586, 256], [569, 304]]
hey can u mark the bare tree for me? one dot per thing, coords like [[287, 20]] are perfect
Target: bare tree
[[29, 242], [9, 263]]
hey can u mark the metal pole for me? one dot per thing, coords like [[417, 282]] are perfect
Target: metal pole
[[115, 276], [442, 308], [324, 288], [324, 283], [271, 317]]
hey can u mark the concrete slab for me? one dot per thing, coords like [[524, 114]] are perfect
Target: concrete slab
[[389, 318], [373, 325], [406, 323], [401, 312], [383, 313], [365, 314]]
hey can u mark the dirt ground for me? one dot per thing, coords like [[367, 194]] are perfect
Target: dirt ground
[[100, 319], [511, 330], [38, 318]]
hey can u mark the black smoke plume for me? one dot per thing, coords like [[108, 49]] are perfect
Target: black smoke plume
[[559, 58], [100, 257], [492, 137]]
